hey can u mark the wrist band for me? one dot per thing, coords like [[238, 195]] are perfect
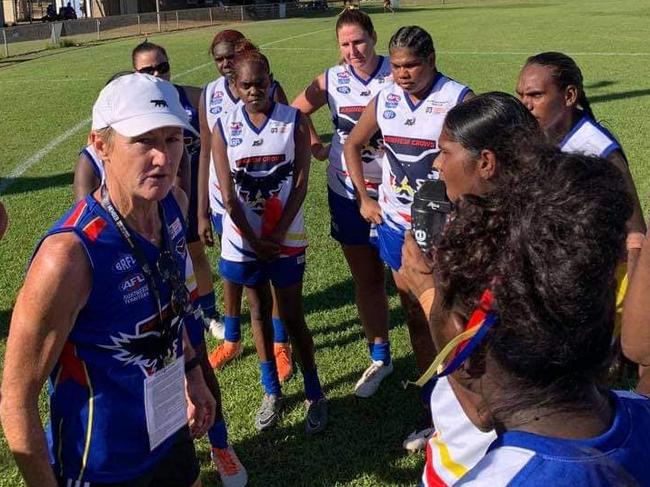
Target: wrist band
[[191, 364], [426, 300], [634, 240]]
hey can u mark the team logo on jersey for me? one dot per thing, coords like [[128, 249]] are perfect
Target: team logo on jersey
[[124, 263], [365, 93], [181, 248], [236, 128], [389, 114], [393, 98], [217, 96], [343, 89], [216, 110], [410, 121], [134, 288], [148, 348], [255, 190], [235, 141], [343, 78], [258, 142], [133, 282], [175, 228]]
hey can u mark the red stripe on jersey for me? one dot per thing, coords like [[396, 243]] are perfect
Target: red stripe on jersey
[[431, 478], [291, 251], [406, 216], [74, 217], [94, 228], [72, 367], [194, 294]]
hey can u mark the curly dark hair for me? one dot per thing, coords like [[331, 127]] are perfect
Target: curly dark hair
[[548, 247]]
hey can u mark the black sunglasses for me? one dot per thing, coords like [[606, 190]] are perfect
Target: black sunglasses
[[161, 68]]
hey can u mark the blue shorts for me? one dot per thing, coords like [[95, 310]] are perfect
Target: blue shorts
[[389, 243], [282, 272], [347, 225], [217, 223]]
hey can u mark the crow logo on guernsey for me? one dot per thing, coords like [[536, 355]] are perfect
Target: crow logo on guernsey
[[147, 348]]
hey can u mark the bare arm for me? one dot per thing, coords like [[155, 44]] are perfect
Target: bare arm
[[230, 200], [635, 334], [85, 179], [635, 224], [358, 138], [300, 181], [57, 286], [308, 101], [204, 226]]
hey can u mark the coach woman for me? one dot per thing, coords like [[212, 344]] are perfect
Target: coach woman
[[103, 310]]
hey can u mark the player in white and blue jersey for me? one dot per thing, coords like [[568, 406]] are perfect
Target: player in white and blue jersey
[[261, 153], [346, 89], [534, 296], [152, 59], [219, 98], [551, 86], [409, 114]]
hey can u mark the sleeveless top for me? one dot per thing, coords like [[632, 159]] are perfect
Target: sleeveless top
[[347, 97], [410, 134], [192, 141], [219, 102], [590, 138], [98, 430], [261, 162]]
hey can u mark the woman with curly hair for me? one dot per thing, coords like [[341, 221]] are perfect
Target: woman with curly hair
[[525, 316]]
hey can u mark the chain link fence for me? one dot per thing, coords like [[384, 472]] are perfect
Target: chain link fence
[[24, 39]]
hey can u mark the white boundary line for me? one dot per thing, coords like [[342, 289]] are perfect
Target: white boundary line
[[475, 53], [35, 158]]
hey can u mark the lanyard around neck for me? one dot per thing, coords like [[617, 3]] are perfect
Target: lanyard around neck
[[135, 248]]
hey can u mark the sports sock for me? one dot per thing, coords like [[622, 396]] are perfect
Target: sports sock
[[381, 351], [208, 305], [233, 328], [279, 331], [218, 435], [269, 376], [313, 389]]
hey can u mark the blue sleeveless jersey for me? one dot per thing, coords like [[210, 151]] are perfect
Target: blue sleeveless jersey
[[618, 457], [98, 429]]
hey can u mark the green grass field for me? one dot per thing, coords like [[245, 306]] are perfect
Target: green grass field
[[45, 105]]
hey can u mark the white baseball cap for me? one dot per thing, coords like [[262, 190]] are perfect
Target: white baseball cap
[[137, 103]]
